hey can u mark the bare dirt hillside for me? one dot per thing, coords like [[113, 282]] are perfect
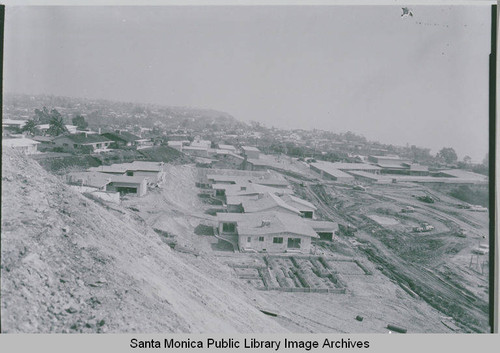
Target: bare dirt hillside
[[70, 265]]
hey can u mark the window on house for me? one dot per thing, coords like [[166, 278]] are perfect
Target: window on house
[[228, 227], [249, 239], [261, 238], [130, 173], [293, 243], [278, 240]]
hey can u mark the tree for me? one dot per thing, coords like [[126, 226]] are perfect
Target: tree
[[448, 154], [467, 160], [42, 116], [79, 122], [30, 127], [56, 126]]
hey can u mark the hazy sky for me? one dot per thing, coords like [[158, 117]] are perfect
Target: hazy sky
[[420, 80]]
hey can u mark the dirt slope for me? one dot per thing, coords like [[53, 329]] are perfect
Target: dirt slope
[[70, 265]]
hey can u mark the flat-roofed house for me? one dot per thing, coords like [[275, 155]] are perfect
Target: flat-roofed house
[[154, 171], [201, 143], [90, 180], [122, 138], [462, 174], [135, 185], [251, 152], [43, 128], [195, 151], [116, 169], [418, 169], [273, 232], [178, 145], [271, 182], [306, 208], [229, 148], [391, 164], [256, 164], [324, 229], [73, 142], [328, 171], [349, 167], [23, 145], [11, 124], [108, 186]]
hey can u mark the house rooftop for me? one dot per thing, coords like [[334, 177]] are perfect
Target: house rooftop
[[268, 201], [250, 148], [83, 138], [122, 135], [18, 123], [43, 138], [18, 142], [269, 223], [92, 179], [464, 174], [227, 147], [330, 169], [145, 166], [259, 162], [114, 168], [133, 166], [418, 168], [354, 166], [393, 157], [391, 165], [269, 181], [320, 226], [290, 198], [374, 177], [127, 179]]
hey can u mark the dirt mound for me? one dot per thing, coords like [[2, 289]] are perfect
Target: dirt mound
[[70, 265]]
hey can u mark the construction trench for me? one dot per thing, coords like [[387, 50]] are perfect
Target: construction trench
[[314, 274]]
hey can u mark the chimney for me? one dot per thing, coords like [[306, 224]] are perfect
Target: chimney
[[99, 131]]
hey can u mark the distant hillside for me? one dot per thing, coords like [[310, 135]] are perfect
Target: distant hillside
[[100, 112], [71, 265]]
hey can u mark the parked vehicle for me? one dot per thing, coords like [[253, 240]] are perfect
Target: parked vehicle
[[426, 199], [424, 227], [408, 209]]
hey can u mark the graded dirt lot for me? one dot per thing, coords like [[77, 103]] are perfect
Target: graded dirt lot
[[421, 281], [438, 266]]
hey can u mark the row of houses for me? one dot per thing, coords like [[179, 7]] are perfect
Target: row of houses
[[205, 148], [392, 169], [263, 215]]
